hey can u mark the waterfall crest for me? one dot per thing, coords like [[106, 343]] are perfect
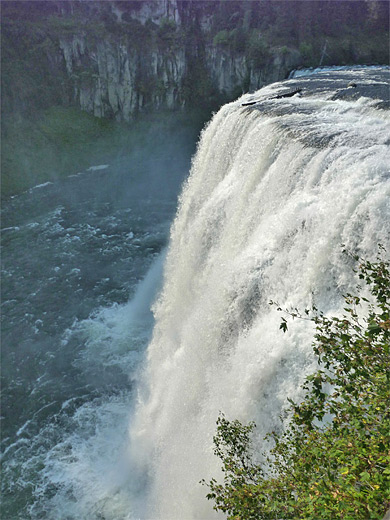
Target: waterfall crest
[[274, 190]]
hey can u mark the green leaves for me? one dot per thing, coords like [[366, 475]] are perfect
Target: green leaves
[[329, 469], [283, 325]]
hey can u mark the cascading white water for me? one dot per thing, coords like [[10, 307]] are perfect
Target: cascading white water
[[273, 193]]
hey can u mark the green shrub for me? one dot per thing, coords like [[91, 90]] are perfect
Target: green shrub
[[168, 31], [238, 39], [306, 50], [221, 38], [258, 50]]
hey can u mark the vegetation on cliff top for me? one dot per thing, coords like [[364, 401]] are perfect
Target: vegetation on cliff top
[[332, 460]]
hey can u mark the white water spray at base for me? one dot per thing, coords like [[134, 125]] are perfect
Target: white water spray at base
[[271, 197]]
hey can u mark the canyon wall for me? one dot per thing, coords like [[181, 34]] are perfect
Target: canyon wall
[[76, 71], [116, 59]]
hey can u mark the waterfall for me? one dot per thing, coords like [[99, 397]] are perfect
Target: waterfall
[[274, 191]]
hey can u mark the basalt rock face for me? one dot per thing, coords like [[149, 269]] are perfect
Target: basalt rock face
[[112, 79], [116, 59]]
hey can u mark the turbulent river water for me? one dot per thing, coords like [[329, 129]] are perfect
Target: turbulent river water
[[80, 267], [96, 425]]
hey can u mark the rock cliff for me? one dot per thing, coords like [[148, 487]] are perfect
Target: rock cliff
[[115, 59], [112, 79]]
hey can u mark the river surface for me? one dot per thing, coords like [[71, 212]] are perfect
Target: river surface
[[74, 254]]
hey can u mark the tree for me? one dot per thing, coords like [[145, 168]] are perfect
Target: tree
[[332, 460]]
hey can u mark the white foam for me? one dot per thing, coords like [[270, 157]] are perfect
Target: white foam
[[12, 228], [43, 185], [90, 467], [97, 168], [300, 73]]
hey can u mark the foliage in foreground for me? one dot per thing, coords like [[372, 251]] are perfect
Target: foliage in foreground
[[332, 461]]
